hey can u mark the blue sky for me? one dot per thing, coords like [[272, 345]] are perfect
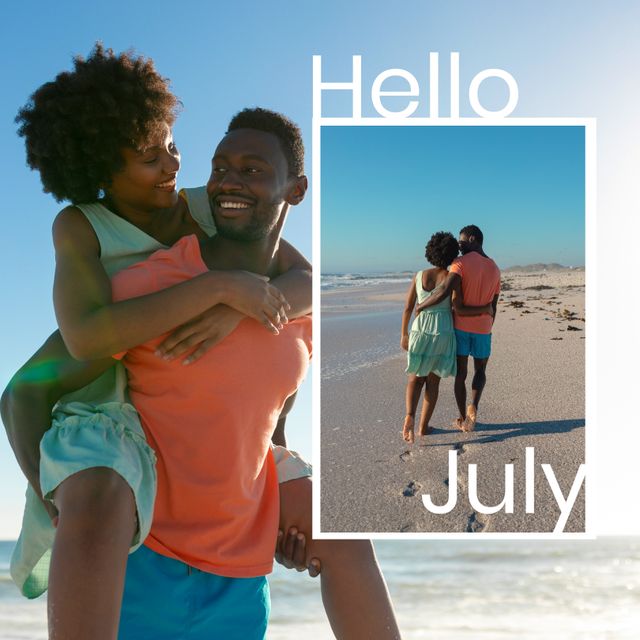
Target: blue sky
[[385, 190], [569, 59]]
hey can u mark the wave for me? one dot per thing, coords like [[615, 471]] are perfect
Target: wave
[[330, 281]]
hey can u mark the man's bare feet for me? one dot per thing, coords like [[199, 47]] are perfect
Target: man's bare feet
[[425, 431], [458, 423], [470, 421], [407, 429]]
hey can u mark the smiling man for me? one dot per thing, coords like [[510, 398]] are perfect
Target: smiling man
[[218, 500], [248, 209], [257, 174], [217, 504]]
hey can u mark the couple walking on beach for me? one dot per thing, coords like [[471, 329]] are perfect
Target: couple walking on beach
[[455, 304]]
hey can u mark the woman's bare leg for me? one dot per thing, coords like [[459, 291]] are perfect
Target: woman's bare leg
[[354, 592], [412, 395], [97, 522], [431, 390]]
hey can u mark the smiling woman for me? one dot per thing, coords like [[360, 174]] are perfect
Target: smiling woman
[[76, 126], [148, 179], [105, 126]]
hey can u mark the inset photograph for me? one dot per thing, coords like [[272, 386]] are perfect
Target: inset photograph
[[453, 329]]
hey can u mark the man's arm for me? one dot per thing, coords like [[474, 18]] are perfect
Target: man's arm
[[494, 306], [295, 279], [462, 309], [278, 436], [27, 401], [295, 512]]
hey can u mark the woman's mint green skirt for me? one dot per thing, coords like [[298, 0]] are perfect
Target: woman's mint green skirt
[[432, 344], [83, 436]]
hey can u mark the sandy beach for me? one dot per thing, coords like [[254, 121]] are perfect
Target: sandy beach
[[372, 481]]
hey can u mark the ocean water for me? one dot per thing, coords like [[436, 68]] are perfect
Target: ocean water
[[358, 340], [360, 328], [333, 281], [450, 590]]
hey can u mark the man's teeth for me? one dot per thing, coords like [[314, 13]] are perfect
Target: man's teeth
[[168, 183], [234, 205]]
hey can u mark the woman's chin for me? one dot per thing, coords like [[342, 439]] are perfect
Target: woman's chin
[[166, 200]]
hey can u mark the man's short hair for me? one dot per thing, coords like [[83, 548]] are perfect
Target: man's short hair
[[287, 132], [472, 230]]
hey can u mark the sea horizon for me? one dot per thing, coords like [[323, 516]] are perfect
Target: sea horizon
[[336, 279]]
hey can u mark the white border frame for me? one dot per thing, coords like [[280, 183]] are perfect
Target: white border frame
[[589, 125]]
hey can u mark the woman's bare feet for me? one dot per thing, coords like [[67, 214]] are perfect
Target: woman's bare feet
[[458, 424], [470, 420], [407, 429]]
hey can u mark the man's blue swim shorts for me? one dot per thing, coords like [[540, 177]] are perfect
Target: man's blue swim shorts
[[165, 599], [476, 345]]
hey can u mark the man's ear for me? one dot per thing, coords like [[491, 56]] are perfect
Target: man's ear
[[297, 190]]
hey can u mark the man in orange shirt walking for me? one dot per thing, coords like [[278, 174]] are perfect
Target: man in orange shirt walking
[[480, 281]]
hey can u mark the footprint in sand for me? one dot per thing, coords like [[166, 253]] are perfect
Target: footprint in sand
[[475, 524], [411, 489]]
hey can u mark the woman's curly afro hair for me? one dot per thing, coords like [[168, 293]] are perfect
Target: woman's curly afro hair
[[76, 126], [442, 249]]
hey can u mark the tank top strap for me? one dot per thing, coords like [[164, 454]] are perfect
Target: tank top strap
[[121, 243], [200, 209], [418, 283]]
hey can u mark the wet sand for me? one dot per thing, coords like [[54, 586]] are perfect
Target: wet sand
[[372, 481]]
